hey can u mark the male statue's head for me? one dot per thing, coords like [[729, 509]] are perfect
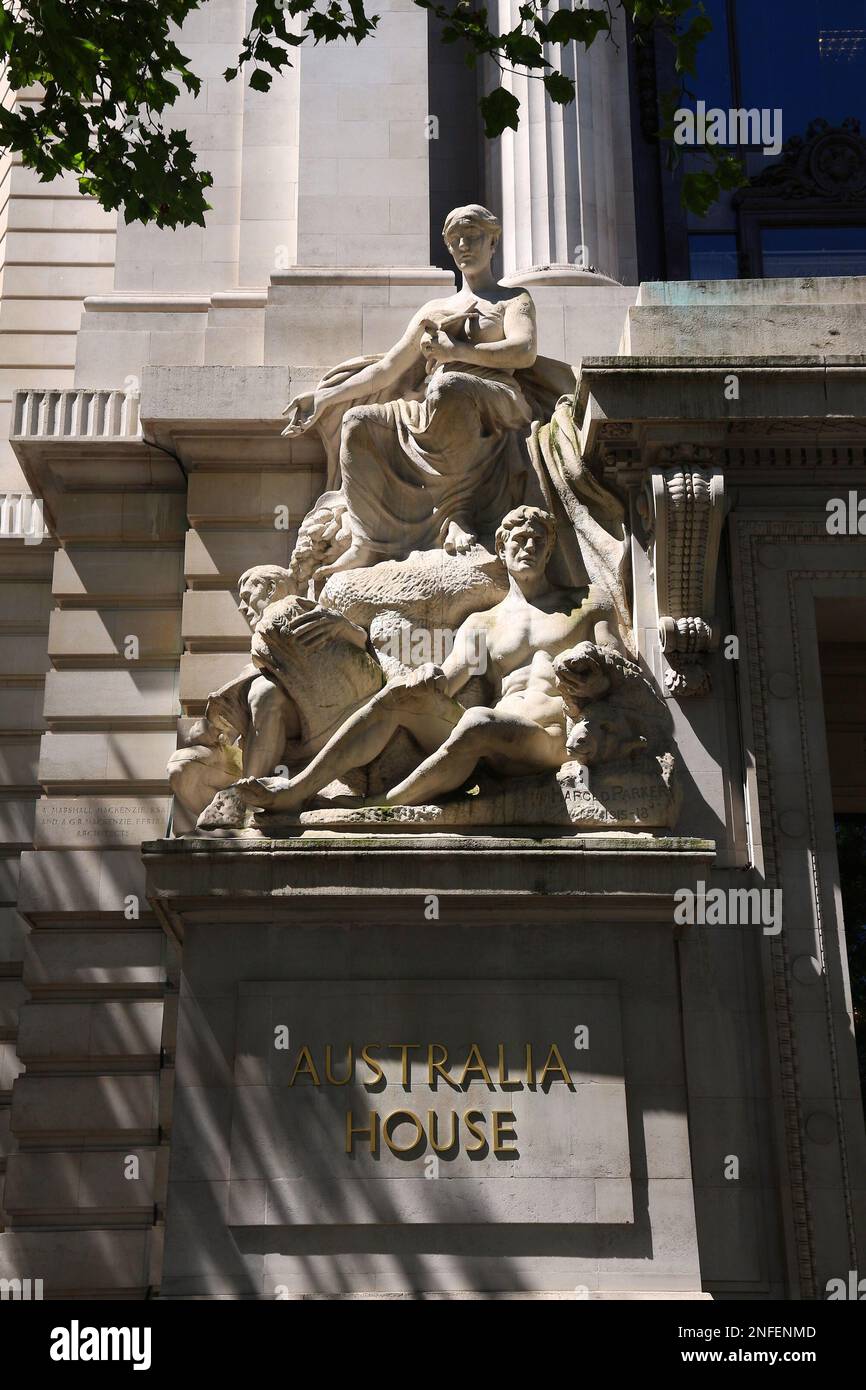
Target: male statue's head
[[261, 585], [524, 541], [471, 234]]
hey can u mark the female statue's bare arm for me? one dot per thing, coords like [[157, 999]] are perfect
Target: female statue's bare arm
[[304, 410], [518, 348]]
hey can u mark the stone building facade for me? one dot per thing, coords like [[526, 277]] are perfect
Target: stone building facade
[[144, 377]]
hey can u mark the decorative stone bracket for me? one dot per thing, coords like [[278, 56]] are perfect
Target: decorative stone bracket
[[683, 507]]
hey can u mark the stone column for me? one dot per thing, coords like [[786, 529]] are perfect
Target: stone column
[[563, 180]]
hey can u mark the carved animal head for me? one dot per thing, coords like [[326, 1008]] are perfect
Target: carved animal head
[[614, 708], [582, 674]]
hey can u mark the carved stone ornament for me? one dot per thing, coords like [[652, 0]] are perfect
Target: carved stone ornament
[[828, 163], [683, 508], [449, 644]]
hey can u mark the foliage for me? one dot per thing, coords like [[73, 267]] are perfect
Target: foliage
[[106, 71]]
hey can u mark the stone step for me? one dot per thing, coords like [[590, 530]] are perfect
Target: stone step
[[745, 328], [806, 290]]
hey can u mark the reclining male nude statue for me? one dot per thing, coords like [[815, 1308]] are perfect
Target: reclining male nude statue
[[522, 732]]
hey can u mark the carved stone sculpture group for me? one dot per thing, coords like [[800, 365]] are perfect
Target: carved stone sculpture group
[[450, 642]]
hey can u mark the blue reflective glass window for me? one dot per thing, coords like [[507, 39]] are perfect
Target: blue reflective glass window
[[813, 251], [713, 257], [806, 57], [712, 82]]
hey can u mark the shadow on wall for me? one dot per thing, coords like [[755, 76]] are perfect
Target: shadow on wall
[[260, 1204]]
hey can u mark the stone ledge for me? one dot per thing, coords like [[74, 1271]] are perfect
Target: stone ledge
[[456, 1295], [619, 877], [365, 275], [512, 838], [81, 1264], [807, 289], [628, 408]]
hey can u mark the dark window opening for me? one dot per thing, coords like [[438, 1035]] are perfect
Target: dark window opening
[[713, 256], [787, 251]]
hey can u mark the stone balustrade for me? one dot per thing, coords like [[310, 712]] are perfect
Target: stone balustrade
[[75, 414], [21, 517]]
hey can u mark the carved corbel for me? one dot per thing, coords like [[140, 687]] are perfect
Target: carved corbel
[[683, 507]]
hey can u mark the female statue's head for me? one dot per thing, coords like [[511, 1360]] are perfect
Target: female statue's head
[[471, 234]]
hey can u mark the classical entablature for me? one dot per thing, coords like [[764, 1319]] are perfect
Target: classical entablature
[[680, 435]]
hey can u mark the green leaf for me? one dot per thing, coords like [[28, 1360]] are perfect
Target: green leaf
[[700, 189], [559, 87], [110, 68], [523, 51], [579, 26], [731, 172], [499, 109]]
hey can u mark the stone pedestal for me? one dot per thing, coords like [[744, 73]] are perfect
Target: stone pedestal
[[511, 1120]]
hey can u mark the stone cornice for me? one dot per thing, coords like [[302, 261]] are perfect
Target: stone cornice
[[255, 878], [672, 430], [629, 408], [365, 275]]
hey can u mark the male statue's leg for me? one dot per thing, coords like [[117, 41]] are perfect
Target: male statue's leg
[[428, 716], [195, 775], [273, 722], [517, 744]]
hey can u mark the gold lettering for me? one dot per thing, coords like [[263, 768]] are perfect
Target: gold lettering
[[372, 1130], [400, 1117], [379, 1075], [530, 1070], [403, 1049], [504, 1078], [307, 1068], [477, 1066], [503, 1130], [558, 1065], [433, 1126], [441, 1066], [472, 1126], [350, 1069]]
